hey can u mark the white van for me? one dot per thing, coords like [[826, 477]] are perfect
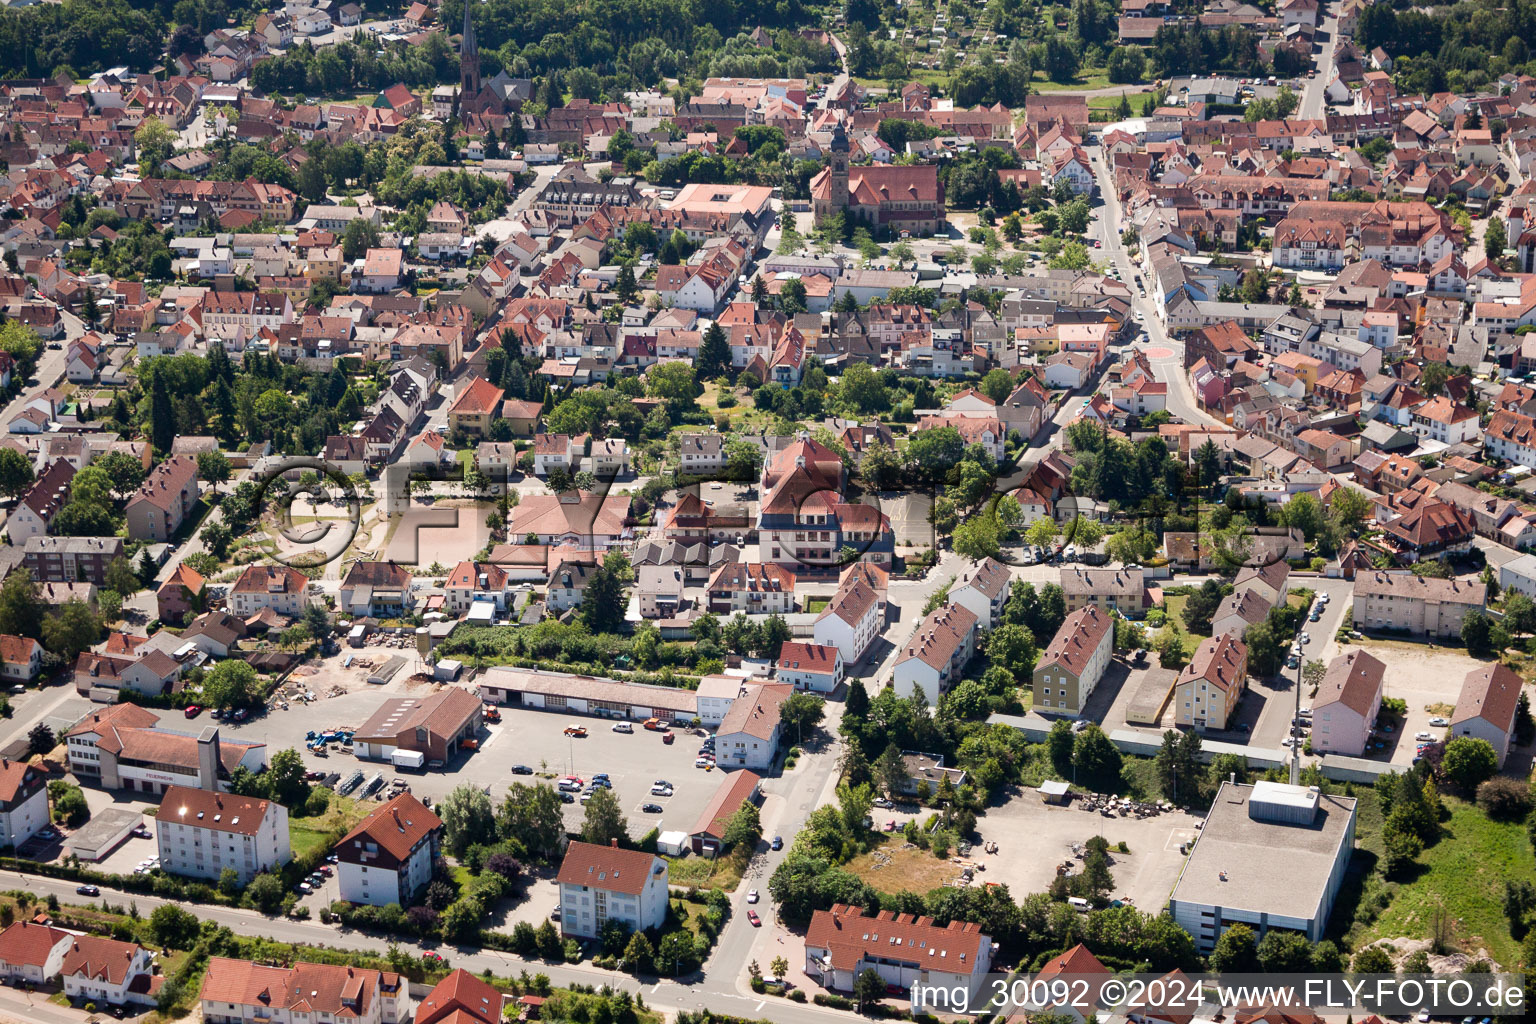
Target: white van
[[1079, 904]]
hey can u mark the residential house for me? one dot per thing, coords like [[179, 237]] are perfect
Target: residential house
[[389, 856], [199, 833], [182, 590], [1418, 605], [1122, 590], [23, 803], [1346, 704], [380, 590], [749, 734], [1486, 709], [1073, 664], [755, 588], [164, 500], [1210, 686], [603, 883], [842, 943], [937, 652], [984, 590], [812, 667]]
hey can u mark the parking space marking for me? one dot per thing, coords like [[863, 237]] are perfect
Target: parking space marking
[[1179, 836]]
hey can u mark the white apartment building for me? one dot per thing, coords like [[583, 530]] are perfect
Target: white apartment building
[[851, 622], [23, 802], [241, 992], [200, 833], [388, 857], [277, 587], [602, 883]]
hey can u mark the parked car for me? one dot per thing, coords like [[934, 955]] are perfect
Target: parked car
[[651, 808], [1439, 721], [703, 762], [194, 710], [881, 801], [623, 727], [661, 791], [521, 769], [777, 844], [578, 731]]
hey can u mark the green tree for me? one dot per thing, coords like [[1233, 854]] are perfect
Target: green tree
[[640, 955], [1058, 745], [213, 467], [1469, 761], [468, 819], [714, 358], [602, 606], [72, 629], [1284, 952], [997, 384], [743, 826], [531, 816], [1095, 758], [21, 610], [266, 892], [285, 778], [1477, 633], [41, 739], [672, 382], [173, 926], [121, 577], [603, 821], [1235, 952], [868, 988], [801, 713], [1012, 646], [1495, 240], [15, 472], [162, 415], [231, 684]]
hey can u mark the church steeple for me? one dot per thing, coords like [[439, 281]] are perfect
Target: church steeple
[[469, 57]]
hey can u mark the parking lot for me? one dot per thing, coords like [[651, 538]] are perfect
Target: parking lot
[[1428, 680], [1033, 837], [535, 739]]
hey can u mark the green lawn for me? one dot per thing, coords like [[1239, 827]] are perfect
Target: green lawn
[[816, 604], [1087, 78], [304, 840], [1464, 873], [1174, 604], [709, 872]]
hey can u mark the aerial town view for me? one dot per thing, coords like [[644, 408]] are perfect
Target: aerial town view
[[649, 512]]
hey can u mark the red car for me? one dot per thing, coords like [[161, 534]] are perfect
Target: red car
[[432, 957], [757, 922], [194, 710]]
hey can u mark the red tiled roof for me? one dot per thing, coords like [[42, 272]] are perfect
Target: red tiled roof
[[221, 812], [608, 868], [397, 828]]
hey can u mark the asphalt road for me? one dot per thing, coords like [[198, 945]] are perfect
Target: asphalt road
[[1169, 368], [1312, 96]]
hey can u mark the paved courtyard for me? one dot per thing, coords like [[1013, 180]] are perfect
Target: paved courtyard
[[1034, 837], [523, 737]]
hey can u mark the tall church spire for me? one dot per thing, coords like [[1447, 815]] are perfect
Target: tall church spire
[[469, 57]]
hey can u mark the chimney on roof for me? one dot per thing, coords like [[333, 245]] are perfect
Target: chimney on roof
[[208, 759]]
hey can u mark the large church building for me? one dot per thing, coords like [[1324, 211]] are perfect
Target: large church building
[[901, 200]]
